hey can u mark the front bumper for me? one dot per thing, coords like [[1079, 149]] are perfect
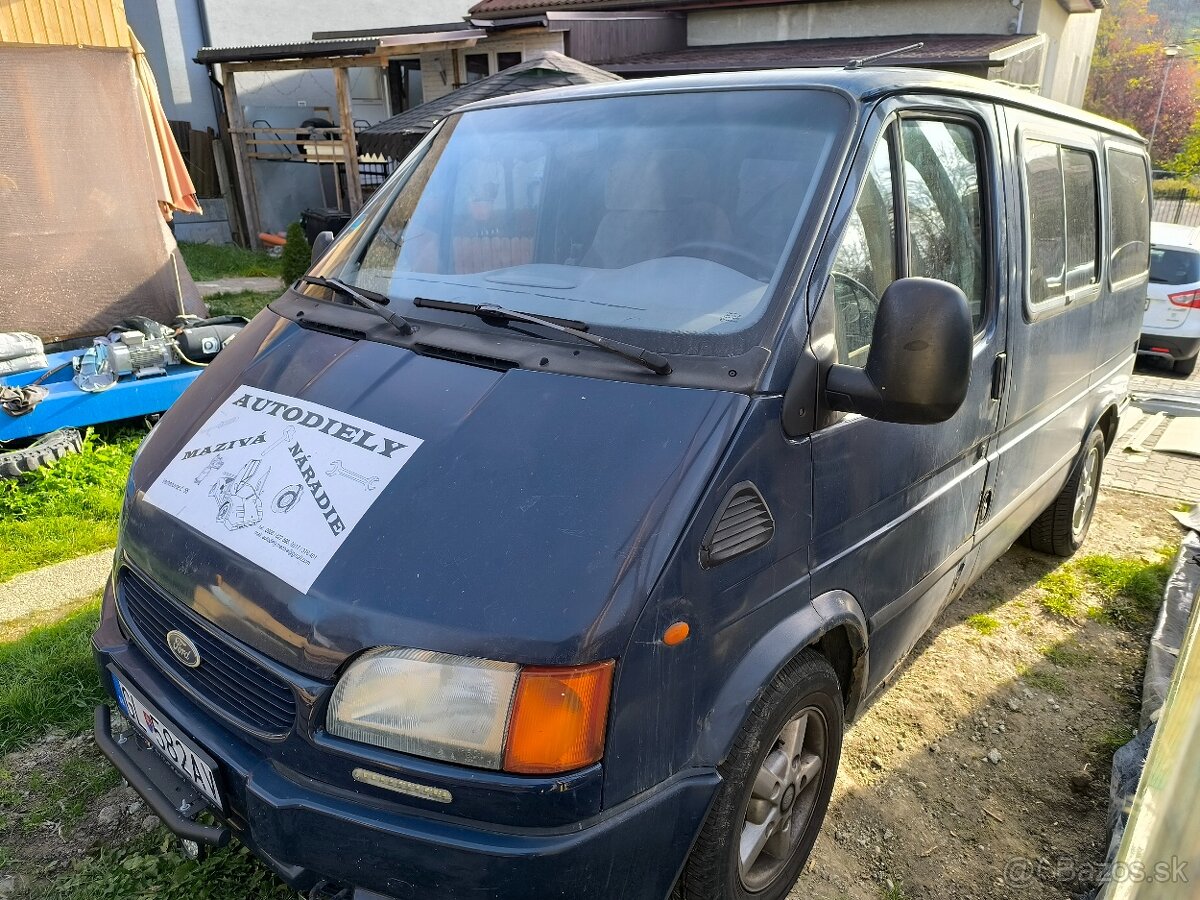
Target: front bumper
[[1168, 347], [309, 832]]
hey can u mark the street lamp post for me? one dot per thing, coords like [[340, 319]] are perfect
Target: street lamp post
[[1170, 52]]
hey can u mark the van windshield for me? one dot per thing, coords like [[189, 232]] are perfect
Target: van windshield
[[662, 213]]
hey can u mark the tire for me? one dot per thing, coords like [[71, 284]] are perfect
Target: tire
[[46, 450], [805, 692], [1185, 366], [1063, 525]]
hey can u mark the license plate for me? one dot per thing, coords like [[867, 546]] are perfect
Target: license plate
[[170, 743]]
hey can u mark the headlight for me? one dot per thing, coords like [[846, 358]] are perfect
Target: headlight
[[428, 704], [474, 711]]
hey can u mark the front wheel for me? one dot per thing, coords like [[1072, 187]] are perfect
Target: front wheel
[[776, 786], [1063, 525]]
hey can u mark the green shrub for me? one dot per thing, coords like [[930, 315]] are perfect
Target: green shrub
[[1176, 189], [297, 255]]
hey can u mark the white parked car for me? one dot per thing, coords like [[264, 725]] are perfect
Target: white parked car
[[1171, 327]]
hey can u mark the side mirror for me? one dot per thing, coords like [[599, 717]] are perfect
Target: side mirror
[[320, 244], [919, 363]]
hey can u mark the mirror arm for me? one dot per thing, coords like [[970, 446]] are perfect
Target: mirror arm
[[850, 389]]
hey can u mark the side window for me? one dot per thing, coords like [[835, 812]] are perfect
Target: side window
[[1047, 213], [1062, 184], [1129, 215], [945, 207], [865, 263], [1083, 218]]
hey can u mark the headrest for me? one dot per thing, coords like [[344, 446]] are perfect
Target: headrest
[[662, 179]]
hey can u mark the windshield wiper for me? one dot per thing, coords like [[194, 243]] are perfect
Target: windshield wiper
[[643, 357], [365, 299]]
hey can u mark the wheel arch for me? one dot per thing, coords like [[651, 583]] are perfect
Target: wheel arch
[[1106, 419], [832, 624]]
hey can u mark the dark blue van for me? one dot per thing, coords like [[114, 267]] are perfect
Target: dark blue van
[[543, 540]]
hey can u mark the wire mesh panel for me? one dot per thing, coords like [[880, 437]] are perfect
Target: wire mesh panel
[[82, 241]]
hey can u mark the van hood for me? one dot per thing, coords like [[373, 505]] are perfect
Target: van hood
[[530, 524]]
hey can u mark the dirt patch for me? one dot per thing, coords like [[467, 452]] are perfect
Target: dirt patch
[[61, 800], [921, 811]]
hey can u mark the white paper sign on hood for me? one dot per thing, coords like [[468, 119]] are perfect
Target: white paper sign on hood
[[279, 480]]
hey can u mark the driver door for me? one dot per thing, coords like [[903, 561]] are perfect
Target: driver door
[[895, 506]]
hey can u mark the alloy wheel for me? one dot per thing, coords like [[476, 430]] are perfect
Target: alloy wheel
[[782, 798]]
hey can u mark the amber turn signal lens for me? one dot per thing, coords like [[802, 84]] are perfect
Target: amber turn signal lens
[[676, 634], [558, 718]]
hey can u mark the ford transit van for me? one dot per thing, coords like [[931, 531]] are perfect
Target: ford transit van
[[543, 541]]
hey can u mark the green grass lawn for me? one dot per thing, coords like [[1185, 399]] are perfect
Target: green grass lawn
[[50, 681], [241, 303], [208, 262], [67, 510]]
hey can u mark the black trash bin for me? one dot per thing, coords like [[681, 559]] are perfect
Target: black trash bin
[[320, 219]]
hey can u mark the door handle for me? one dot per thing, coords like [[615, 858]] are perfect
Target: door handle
[[998, 375]]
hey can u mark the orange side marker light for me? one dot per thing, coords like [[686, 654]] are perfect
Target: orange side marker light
[[676, 634]]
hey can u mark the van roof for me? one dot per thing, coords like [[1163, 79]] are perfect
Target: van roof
[[1165, 234], [864, 84]]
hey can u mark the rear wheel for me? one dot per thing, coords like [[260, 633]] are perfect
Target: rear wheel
[[1185, 366], [776, 786], [1063, 525]]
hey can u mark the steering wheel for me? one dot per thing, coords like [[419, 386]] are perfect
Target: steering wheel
[[742, 260], [857, 286]]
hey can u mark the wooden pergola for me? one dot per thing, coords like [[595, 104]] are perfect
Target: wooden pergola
[[337, 145]]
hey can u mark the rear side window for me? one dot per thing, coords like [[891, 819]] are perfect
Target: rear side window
[[1083, 218], [1169, 266], [1047, 216], [1129, 213], [1062, 184]]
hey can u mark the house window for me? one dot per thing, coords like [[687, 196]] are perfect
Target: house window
[[507, 60], [476, 67]]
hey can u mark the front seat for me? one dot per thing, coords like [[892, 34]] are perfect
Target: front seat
[[654, 205]]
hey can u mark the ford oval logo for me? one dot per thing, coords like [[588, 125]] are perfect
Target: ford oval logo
[[185, 651]]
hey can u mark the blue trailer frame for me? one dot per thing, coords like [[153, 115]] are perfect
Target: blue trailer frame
[[67, 406]]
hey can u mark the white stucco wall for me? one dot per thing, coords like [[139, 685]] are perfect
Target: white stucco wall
[[170, 31], [239, 22], [1070, 42], [850, 18], [1070, 37]]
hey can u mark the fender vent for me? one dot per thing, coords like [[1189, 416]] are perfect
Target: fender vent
[[743, 524]]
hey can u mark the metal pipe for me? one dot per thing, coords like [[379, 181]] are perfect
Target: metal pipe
[[1170, 51]]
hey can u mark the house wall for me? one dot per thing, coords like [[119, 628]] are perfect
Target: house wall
[[846, 18], [1070, 42], [233, 23], [443, 71], [67, 23], [171, 32], [603, 39], [1070, 37]]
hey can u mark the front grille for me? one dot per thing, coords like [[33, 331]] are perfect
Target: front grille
[[227, 679]]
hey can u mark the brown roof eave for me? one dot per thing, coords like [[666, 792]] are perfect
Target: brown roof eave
[[649, 68]]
